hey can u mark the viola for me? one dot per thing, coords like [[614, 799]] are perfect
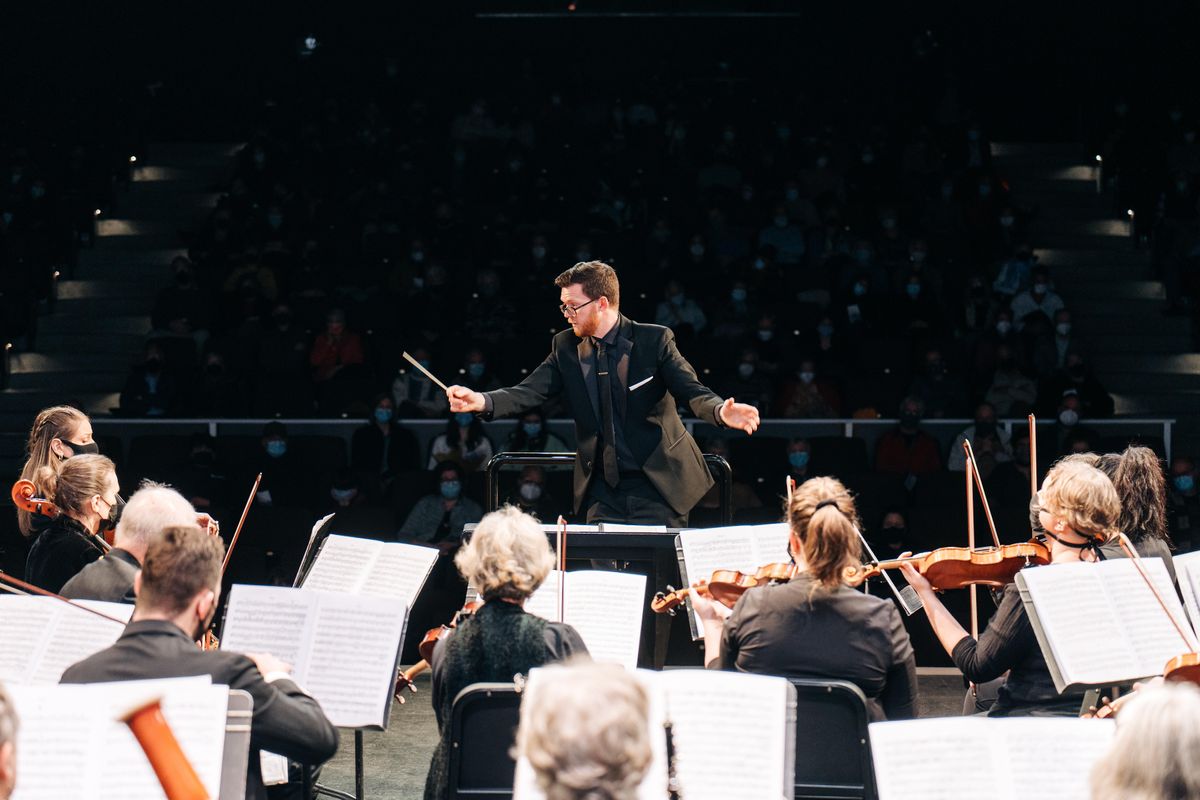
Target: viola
[[24, 497], [956, 567], [725, 586]]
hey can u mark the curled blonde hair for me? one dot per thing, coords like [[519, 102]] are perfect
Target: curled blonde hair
[[72, 483], [1083, 497], [507, 557], [1152, 755], [822, 515], [581, 749], [56, 422]]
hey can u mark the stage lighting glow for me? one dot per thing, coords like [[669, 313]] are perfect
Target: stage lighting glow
[[133, 159], [96, 213]]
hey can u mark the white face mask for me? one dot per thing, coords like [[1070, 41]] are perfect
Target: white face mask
[[531, 492], [745, 369], [1003, 327], [1068, 417], [1063, 328]]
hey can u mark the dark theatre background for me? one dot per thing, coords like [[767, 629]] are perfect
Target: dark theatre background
[[210, 221]]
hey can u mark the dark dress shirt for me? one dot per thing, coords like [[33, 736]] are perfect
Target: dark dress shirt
[[792, 631], [58, 553], [286, 720], [1009, 643], [110, 579]]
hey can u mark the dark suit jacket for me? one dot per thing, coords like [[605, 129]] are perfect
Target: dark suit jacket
[[286, 721], [110, 578], [653, 430]]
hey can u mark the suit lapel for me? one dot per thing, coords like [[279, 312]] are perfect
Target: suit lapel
[[586, 369], [624, 355]]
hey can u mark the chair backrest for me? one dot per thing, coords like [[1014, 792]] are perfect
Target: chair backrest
[[833, 753], [483, 727]]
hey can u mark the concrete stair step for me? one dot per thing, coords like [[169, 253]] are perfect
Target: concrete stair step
[[1086, 240], [128, 255], [1105, 289], [138, 230], [1184, 405], [83, 289], [70, 362], [21, 404], [1175, 364], [1091, 257], [99, 308], [90, 342], [161, 205], [75, 383], [193, 155], [1146, 381], [1145, 310], [1151, 329], [113, 323], [1063, 150]]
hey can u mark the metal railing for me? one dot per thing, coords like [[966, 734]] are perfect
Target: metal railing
[[717, 465]]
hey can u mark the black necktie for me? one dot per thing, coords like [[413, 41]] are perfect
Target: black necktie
[[603, 384]]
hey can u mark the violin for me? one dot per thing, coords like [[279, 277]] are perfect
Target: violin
[[404, 680], [24, 497], [956, 567], [725, 586]]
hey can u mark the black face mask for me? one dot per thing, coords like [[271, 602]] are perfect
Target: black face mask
[[895, 534], [109, 523], [985, 428], [89, 449], [909, 420], [203, 459]]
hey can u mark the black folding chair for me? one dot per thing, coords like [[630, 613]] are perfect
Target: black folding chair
[[483, 727], [833, 753]]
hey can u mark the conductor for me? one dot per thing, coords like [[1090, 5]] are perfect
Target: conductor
[[634, 461]]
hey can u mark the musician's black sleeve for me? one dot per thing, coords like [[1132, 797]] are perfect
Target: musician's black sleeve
[[684, 385]]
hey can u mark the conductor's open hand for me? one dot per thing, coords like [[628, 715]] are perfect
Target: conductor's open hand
[[463, 399], [737, 415]]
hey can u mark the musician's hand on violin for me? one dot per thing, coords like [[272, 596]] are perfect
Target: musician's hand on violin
[[463, 399], [915, 579], [207, 524], [709, 610], [402, 683], [737, 415]]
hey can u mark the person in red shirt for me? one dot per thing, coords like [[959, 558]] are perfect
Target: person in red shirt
[[907, 450], [337, 347]]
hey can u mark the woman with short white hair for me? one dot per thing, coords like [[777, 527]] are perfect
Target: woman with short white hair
[[506, 560], [1153, 754], [8, 745], [581, 749]]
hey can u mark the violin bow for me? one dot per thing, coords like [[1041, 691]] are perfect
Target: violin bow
[[1032, 455], [790, 486], [29, 588], [238, 530], [562, 563], [974, 471], [1127, 546], [971, 542]]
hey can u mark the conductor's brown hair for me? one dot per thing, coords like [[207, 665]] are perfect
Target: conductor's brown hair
[[822, 515], [179, 565], [597, 279]]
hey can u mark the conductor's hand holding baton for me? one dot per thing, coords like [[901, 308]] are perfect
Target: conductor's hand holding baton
[[463, 399]]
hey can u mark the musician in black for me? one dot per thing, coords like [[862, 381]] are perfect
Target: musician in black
[[507, 559], [84, 488], [1079, 510], [816, 626], [621, 379], [177, 593]]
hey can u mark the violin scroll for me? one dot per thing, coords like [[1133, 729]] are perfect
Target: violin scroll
[[24, 497]]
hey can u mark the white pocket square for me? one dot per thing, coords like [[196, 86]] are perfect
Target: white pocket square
[[641, 383]]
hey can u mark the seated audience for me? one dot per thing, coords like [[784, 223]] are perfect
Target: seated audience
[[439, 518], [983, 435], [177, 592], [907, 450], [532, 435], [382, 448], [463, 442], [507, 559], [817, 626], [1184, 503]]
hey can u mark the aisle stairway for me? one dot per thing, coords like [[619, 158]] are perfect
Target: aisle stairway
[[97, 327], [1143, 357]]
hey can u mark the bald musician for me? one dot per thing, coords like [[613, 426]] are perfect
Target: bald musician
[[634, 462], [177, 590], [8, 746]]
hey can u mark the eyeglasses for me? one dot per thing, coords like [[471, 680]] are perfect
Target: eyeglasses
[[570, 311]]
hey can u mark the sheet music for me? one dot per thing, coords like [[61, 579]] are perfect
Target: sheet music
[[1187, 569], [907, 753], [366, 566], [41, 636], [352, 668], [617, 527], [739, 547], [604, 607], [342, 647], [1103, 623], [745, 760], [78, 725]]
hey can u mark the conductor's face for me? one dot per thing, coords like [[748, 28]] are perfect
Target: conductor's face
[[582, 312]]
